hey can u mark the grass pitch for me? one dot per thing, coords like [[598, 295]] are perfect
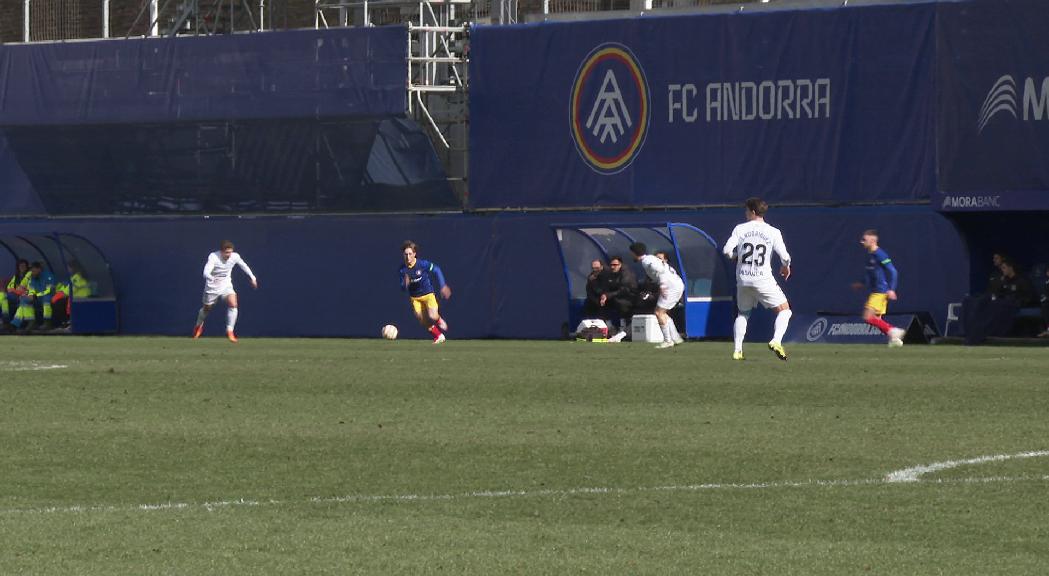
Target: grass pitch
[[173, 456]]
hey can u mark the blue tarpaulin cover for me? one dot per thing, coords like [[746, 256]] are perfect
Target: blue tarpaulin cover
[[299, 121]]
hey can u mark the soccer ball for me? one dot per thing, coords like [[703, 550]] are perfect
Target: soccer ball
[[389, 332]]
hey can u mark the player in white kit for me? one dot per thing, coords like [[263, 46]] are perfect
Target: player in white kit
[[671, 288], [218, 284], [751, 245]]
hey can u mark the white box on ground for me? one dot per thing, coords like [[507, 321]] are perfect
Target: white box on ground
[[645, 328]]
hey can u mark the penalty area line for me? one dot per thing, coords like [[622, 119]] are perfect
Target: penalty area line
[[212, 506]]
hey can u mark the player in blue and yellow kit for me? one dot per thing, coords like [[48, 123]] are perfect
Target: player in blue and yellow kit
[[415, 278], [881, 278]]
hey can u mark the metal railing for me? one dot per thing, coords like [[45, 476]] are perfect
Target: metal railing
[[55, 20], [50, 20]]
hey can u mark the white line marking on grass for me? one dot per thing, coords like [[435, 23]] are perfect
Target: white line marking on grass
[[915, 473], [24, 366], [490, 494]]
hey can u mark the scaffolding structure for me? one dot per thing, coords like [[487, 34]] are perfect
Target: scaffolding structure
[[49, 20], [55, 20], [200, 17], [438, 83]]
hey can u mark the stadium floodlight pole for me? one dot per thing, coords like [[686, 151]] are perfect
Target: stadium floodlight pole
[[105, 18], [154, 18], [262, 15], [25, 22]]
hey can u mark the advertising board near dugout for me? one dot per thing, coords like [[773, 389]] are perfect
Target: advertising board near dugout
[[851, 329]]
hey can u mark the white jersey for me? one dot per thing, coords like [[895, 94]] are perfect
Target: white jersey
[[217, 272], [753, 243], [657, 270]]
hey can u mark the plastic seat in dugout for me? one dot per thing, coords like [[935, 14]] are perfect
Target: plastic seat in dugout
[[707, 307], [79, 269]]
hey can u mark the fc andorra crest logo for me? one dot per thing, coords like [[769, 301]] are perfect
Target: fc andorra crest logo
[[609, 108]]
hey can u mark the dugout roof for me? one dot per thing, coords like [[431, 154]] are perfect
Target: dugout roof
[[62, 254]]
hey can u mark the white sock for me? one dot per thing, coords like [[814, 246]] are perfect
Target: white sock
[[665, 329], [673, 329], [231, 319], [781, 325], [739, 330], [201, 315]]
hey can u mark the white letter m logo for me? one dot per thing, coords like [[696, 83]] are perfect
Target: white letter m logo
[[609, 112]]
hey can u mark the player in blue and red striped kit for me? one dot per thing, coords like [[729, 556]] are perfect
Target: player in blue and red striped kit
[[415, 277], [881, 279]]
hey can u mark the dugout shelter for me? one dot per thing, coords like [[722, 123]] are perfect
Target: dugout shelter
[[706, 310], [63, 255]]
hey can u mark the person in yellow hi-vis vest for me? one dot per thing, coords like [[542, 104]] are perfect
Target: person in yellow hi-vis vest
[[39, 286], [78, 287], [82, 287], [14, 289]]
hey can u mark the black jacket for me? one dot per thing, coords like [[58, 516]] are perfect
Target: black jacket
[[1019, 289], [621, 285], [596, 285]]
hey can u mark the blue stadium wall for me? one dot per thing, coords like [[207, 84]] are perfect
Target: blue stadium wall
[[337, 275], [845, 118]]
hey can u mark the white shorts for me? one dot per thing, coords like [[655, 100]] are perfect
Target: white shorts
[[670, 293], [213, 294], [768, 295]]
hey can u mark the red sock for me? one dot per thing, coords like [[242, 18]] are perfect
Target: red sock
[[879, 324], [435, 331]]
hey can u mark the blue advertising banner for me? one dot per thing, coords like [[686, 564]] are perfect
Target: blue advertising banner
[[797, 106], [993, 105], [348, 72], [838, 329]]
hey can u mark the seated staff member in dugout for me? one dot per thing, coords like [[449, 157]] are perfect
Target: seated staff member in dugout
[[596, 286], [14, 289], [79, 287], [415, 278], [39, 288], [620, 292]]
